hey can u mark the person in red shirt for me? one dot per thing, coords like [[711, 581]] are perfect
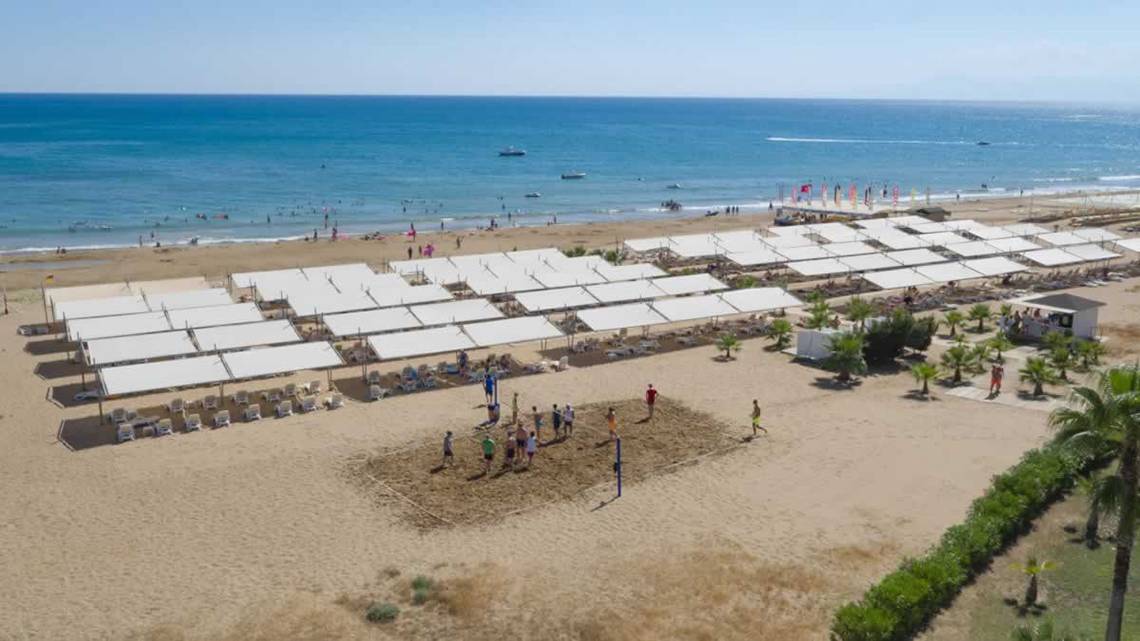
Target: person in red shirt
[[650, 398]]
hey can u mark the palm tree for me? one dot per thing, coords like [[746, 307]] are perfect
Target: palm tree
[[923, 372], [1005, 310], [956, 359], [1106, 419], [981, 354], [1090, 352], [846, 357], [1039, 372], [1033, 569], [1093, 489], [780, 331], [728, 344], [1061, 359], [1000, 343], [1056, 340], [819, 315], [859, 310], [981, 313], [953, 319]]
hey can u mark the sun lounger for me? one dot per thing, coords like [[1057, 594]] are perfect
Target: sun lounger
[[308, 404], [374, 377], [242, 397], [407, 386], [375, 393], [290, 390], [193, 423], [119, 415], [284, 408], [210, 403], [274, 396], [335, 401], [124, 432], [428, 382], [253, 413], [563, 364], [222, 419], [164, 427], [176, 406], [313, 387], [451, 368]]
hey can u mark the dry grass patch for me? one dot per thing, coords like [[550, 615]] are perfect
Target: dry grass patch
[[1124, 338], [431, 496]]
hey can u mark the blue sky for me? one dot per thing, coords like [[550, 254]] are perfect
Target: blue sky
[[966, 49]]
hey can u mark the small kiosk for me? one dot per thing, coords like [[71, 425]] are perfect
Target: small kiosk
[[1064, 313]]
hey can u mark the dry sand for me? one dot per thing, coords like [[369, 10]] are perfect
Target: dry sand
[[262, 531]]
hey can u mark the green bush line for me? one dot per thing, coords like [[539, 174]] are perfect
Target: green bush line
[[904, 601]]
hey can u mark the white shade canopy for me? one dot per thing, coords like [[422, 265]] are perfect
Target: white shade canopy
[[1062, 238], [972, 249], [694, 245], [947, 272], [419, 342], [636, 271], [160, 375], [411, 267], [1052, 257], [821, 267], [344, 277], [550, 279], [868, 262], [997, 266], [126, 325], [760, 299], [541, 255], [266, 361], [740, 240], [692, 284], [188, 299], [458, 311], [95, 307], [620, 316], [1025, 229], [1091, 252], [899, 240], [1096, 234], [214, 316], [693, 307], [928, 227], [554, 299], [488, 284], [511, 330], [647, 244], [330, 302], [625, 291], [942, 239], [226, 337], [840, 234], [810, 252], [788, 241], [126, 349], [373, 321], [850, 248], [875, 223], [384, 282], [1131, 244], [410, 295], [251, 279], [281, 288], [57, 295], [897, 278], [989, 233], [758, 257], [915, 257], [167, 285], [1012, 244]]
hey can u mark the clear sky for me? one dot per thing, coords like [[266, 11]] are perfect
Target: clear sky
[[956, 49]]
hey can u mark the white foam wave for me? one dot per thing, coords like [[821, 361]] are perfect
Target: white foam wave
[[865, 141], [1123, 177]]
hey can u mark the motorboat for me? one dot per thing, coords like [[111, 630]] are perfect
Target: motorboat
[[511, 151], [673, 186], [534, 194], [983, 143], [574, 175]]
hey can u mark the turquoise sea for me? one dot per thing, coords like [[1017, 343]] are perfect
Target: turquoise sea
[[102, 170]]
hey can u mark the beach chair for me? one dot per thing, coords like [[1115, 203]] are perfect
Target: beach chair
[[176, 406], [164, 427], [423, 371], [222, 419], [284, 408], [274, 396], [290, 390], [451, 368], [313, 387], [406, 386], [428, 382], [563, 364], [375, 392], [335, 401], [252, 413], [119, 415], [374, 377], [241, 397], [210, 403], [193, 423], [408, 372], [124, 432], [308, 404]]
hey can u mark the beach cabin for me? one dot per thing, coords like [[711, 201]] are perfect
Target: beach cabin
[[814, 344], [1073, 315]]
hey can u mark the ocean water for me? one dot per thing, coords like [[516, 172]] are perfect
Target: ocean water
[[94, 171]]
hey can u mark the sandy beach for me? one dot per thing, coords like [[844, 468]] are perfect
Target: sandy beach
[[267, 530]]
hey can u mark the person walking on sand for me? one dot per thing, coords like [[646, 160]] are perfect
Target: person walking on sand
[[515, 408], [531, 448], [756, 427], [488, 452], [509, 460], [568, 420], [650, 399], [488, 384], [448, 451], [520, 441], [611, 422], [556, 421], [537, 420], [997, 373], [409, 253]]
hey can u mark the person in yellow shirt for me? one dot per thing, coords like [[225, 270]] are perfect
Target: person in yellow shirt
[[611, 421], [756, 419]]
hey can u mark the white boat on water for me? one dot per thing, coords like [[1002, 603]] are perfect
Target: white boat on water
[[574, 175], [534, 194], [674, 186], [511, 151]]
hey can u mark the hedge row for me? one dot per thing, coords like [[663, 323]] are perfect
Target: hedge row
[[901, 604]]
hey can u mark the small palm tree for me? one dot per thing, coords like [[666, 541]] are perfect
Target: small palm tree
[[953, 319], [846, 356], [981, 313], [1005, 310], [956, 359], [1039, 372], [819, 315], [1000, 343], [728, 344], [780, 331], [859, 310], [1090, 352], [1061, 359], [923, 372], [1033, 569], [1093, 489], [980, 353], [1054, 341]]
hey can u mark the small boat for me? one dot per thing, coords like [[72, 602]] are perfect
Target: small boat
[[673, 186], [574, 175], [511, 151], [534, 194], [983, 143]]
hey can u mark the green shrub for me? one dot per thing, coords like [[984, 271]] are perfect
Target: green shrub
[[421, 582], [420, 597], [905, 600], [886, 339], [382, 612]]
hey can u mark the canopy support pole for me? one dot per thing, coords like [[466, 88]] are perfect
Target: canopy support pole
[[102, 417]]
